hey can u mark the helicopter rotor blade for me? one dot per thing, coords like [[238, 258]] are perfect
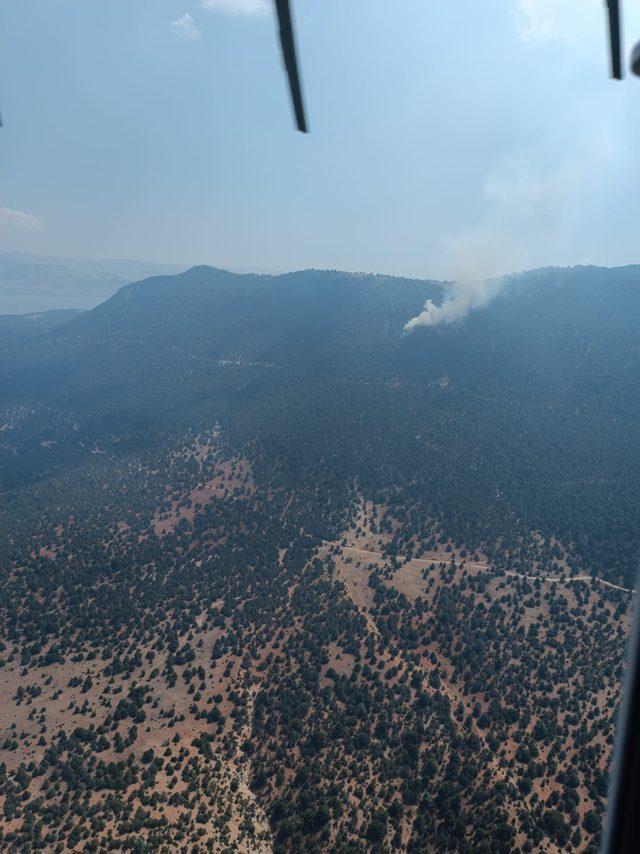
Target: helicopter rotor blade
[[287, 43], [615, 38]]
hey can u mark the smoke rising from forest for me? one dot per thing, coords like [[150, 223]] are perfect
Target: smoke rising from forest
[[533, 216], [460, 300]]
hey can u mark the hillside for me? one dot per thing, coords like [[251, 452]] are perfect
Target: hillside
[[20, 327], [277, 576], [538, 393]]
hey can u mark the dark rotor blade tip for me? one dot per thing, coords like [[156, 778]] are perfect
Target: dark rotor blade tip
[[615, 38], [287, 43]]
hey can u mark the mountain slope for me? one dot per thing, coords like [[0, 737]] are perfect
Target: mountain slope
[[277, 577], [524, 418], [19, 327]]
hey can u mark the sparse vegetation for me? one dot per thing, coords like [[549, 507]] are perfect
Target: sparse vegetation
[[297, 593]]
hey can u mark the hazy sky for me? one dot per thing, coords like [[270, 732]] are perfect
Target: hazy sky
[[447, 139]]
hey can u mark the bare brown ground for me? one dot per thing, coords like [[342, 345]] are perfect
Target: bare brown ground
[[359, 549], [63, 708], [232, 476]]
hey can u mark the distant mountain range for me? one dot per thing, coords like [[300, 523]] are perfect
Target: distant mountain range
[[32, 283], [36, 283]]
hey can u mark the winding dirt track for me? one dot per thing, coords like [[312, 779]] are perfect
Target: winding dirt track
[[550, 578]]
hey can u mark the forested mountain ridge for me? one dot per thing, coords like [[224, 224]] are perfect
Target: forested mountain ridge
[[539, 390], [562, 336], [277, 576]]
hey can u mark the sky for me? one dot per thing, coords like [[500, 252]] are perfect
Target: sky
[[448, 140]]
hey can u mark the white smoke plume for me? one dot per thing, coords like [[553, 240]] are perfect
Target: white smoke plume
[[462, 298], [533, 217]]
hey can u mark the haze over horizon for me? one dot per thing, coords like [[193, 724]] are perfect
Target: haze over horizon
[[134, 136], [341, 558]]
